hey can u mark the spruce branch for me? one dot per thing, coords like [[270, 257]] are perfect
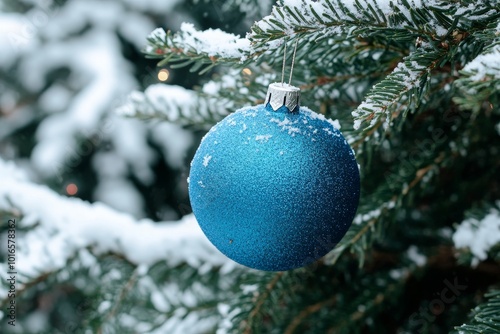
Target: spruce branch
[[479, 84], [314, 21], [309, 310], [78, 224], [175, 104], [320, 20], [368, 224], [261, 298], [201, 107], [485, 318], [407, 84], [375, 302], [121, 297], [202, 50]]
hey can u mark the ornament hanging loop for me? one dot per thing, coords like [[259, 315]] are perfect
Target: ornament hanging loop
[[281, 94], [283, 67], [284, 62], [293, 61], [284, 95]]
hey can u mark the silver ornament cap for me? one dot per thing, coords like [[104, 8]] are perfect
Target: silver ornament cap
[[281, 94]]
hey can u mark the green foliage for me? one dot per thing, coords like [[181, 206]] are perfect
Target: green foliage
[[480, 88], [485, 318]]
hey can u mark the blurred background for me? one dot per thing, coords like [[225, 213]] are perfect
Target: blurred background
[[65, 66]]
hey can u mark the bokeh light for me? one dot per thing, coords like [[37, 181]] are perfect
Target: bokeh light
[[163, 75], [71, 189]]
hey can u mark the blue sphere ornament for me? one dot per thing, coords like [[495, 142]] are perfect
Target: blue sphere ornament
[[275, 186]]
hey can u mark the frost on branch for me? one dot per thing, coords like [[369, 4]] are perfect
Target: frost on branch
[[58, 228], [321, 19], [174, 104], [486, 66], [480, 80], [403, 88], [213, 42], [193, 46], [312, 19]]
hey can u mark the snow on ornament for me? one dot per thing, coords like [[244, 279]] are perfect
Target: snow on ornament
[[274, 186]]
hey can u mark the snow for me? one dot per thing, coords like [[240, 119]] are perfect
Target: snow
[[36, 322], [174, 142], [408, 75], [158, 33], [55, 99], [104, 306], [153, 6], [169, 100], [74, 112], [314, 115], [211, 88], [226, 324], [16, 37], [479, 236], [159, 301], [120, 194], [213, 42], [397, 274], [227, 81], [93, 58], [263, 138], [336, 10], [286, 125], [129, 138], [413, 254], [485, 65], [135, 28], [206, 160], [176, 104], [77, 224], [362, 218]]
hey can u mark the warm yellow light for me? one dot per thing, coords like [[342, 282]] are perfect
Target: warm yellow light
[[71, 189], [163, 75], [247, 71]]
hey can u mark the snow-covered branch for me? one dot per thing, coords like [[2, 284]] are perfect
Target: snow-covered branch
[[479, 236], [59, 227], [407, 81], [486, 66], [174, 104]]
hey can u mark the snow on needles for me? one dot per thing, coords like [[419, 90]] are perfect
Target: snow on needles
[[213, 42], [12, 42], [175, 103], [318, 15], [169, 100], [67, 225], [485, 65], [408, 75], [479, 236]]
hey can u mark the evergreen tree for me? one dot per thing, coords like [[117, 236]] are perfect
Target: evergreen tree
[[413, 84]]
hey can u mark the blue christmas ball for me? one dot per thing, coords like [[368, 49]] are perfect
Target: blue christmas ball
[[274, 190]]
